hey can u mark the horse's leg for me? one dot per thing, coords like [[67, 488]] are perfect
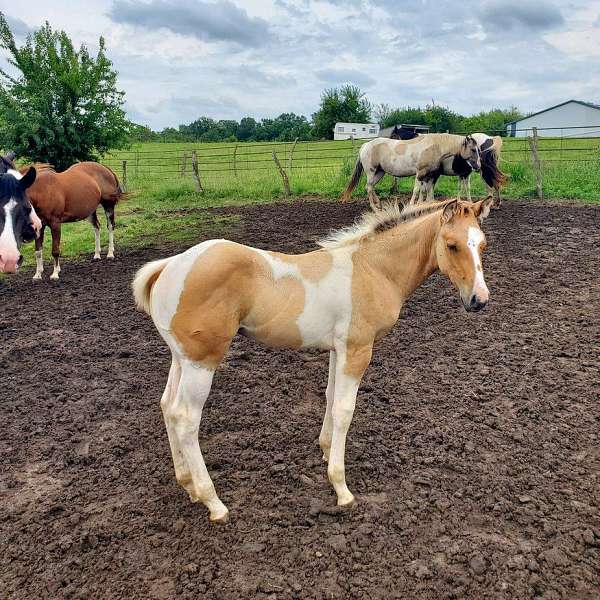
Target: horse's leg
[[109, 209], [350, 365], [183, 416], [326, 429], [468, 187], [55, 230], [182, 471], [374, 176], [93, 219], [416, 190], [430, 186], [39, 253]]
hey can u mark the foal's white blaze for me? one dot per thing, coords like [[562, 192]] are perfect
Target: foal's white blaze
[[9, 253], [474, 239]]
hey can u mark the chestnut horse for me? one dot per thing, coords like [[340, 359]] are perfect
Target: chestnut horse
[[73, 195], [342, 298]]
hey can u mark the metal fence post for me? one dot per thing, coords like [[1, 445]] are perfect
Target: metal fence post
[[537, 166]]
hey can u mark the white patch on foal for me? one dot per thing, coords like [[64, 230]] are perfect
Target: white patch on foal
[[474, 239]]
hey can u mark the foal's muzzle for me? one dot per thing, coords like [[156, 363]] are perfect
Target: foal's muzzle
[[475, 165], [475, 304]]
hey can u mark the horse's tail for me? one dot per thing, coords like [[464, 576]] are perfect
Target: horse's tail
[[120, 194], [143, 281], [358, 171], [490, 172]]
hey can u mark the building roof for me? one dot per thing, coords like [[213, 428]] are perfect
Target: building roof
[[588, 104]]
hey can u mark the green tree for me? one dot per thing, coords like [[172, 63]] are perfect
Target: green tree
[[347, 104], [62, 105], [492, 122]]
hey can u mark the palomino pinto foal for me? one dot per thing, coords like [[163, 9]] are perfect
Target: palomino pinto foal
[[341, 298], [15, 220]]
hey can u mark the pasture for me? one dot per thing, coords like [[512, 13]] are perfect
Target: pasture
[[473, 450]]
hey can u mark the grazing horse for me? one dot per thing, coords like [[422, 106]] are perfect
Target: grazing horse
[[494, 178], [73, 195], [15, 220], [421, 156], [342, 298]]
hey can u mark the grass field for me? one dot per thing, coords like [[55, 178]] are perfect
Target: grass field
[[162, 202]]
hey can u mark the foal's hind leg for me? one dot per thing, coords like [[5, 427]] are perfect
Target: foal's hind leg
[[183, 416], [109, 209], [182, 472], [93, 219]]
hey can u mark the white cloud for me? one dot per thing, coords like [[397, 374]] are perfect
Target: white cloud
[[230, 58]]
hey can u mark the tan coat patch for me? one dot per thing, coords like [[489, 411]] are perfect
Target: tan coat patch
[[313, 266], [232, 286]]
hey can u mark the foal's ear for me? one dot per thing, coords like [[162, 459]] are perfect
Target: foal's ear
[[449, 211], [28, 179], [482, 208]]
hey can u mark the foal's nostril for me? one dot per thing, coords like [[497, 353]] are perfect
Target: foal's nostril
[[475, 304]]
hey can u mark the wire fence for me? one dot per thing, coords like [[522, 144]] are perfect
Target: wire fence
[[203, 161]]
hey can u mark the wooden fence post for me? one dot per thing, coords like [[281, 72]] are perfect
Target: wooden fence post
[[292, 155], [124, 177], [196, 172], [286, 183], [235, 160], [183, 164], [537, 165]]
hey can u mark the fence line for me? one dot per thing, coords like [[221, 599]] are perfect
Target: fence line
[[276, 157]]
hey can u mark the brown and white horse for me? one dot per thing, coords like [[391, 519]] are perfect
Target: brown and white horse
[[342, 298], [73, 195], [421, 156]]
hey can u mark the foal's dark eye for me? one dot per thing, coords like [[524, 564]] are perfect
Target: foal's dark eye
[[452, 247]]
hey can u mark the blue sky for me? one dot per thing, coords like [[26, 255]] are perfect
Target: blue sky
[[178, 60]]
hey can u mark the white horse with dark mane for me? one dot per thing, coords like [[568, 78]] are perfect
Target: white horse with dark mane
[[423, 156]]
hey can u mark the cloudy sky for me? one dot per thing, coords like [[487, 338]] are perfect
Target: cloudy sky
[[179, 59]]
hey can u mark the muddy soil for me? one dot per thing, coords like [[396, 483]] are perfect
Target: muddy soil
[[474, 452]]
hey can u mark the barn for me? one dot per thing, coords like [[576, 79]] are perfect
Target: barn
[[560, 121], [347, 131]]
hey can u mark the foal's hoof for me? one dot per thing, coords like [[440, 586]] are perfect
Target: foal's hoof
[[347, 503], [97, 257], [110, 256], [54, 277], [220, 519], [37, 277]]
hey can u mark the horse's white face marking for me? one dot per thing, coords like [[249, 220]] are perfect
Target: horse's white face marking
[[14, 173], [9, 251], [474, 239]]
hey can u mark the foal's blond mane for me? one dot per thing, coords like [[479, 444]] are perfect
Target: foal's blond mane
[[370, 223]]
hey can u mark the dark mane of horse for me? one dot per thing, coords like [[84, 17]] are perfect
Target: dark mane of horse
[[490, 172]]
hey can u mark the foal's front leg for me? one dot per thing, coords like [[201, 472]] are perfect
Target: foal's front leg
[[55, 230], [351, 363], [326, 429]]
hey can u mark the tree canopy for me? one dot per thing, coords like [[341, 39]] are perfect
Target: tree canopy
[[347, 104], [59, 104]]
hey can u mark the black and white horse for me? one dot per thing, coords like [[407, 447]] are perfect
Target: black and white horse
[[16, 225], [493, 177]]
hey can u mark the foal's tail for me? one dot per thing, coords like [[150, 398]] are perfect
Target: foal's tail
[[143, 281], [358, 171]]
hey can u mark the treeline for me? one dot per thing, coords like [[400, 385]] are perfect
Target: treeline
[[440, 119], [284, 128], [346, 104]]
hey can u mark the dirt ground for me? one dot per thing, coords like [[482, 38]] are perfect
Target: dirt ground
[[474, 452]]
